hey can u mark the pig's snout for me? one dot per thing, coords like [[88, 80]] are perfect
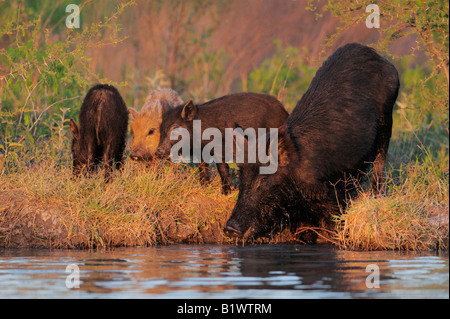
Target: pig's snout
[[140, 155], [232, 229], [135, 156]]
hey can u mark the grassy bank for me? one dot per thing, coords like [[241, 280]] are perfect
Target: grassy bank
[[413, 215], [43, 206]]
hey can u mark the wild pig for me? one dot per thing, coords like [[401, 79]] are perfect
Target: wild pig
[[251, 110], [103, 126], [340, 126], [146, 123]]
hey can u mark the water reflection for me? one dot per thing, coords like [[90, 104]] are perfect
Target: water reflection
[[269, 271]]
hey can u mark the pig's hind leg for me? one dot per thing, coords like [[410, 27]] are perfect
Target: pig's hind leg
[[384, 133], [108, 159]]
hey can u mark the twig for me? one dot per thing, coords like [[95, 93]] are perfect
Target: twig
[[316, 230], [26, 102], [48, 107]]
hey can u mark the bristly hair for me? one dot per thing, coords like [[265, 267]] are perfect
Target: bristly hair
[[167, 98]]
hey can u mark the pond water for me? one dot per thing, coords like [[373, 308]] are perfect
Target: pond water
[[205, 271]]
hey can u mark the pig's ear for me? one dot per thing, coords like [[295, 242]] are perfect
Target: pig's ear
[[133, 112], [286, 149], [158, 109], [189, 111], [74, 129]]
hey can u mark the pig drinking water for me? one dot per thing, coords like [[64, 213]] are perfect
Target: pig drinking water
[[340, 126]]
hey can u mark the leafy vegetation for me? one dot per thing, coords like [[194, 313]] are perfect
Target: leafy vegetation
[[286, 75]]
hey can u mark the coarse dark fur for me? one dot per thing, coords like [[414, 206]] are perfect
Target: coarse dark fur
[[100, 137], [251, 110], [340, 126]]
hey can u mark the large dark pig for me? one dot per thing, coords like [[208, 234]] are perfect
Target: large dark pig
[[251, 110], [103, 126], [340, 126]]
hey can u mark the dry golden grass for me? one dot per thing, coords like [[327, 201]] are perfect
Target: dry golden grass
[[394, 223], [43, 206], [413, 215]]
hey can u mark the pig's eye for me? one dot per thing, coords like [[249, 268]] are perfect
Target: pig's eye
[[151, 131]]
